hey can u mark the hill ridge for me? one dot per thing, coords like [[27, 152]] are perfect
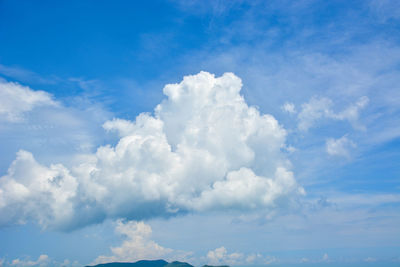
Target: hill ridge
[[149, 263]]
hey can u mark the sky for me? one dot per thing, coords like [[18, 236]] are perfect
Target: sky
[[247, 133]]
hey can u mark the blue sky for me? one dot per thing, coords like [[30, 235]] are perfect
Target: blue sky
[[246, 133]]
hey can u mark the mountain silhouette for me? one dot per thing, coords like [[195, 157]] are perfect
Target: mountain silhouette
[[149, 263], [142, 263]]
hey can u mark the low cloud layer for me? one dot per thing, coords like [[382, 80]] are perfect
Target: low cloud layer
[[203, 149], [220, 256], [43, 260]]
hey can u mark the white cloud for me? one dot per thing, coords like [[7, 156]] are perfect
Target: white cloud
[[16, 99], [312, 111], [352, 113], [252, 257], [31, 120], [321, 108], [43, 260], [137, 246], [203, 149], [123, 127], [40, 193], [289, 107], [243, 189], [339, 147], [220, 256]]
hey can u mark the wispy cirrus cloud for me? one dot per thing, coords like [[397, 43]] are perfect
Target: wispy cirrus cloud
[[34, 120], [24, 75]]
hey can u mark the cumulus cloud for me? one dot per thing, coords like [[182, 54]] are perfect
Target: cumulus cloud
[[40, 193], [16, 99], [203, 149], [312, 111], [43, 260], [221, 256], [352, 113], [257, 258], [339, 147], [137, 246], [322, 108], [289, 107]]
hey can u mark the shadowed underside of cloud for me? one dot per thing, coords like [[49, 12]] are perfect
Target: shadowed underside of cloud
[[203, 149]]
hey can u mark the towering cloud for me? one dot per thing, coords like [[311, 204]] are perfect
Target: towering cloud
[[137, 246], [202, 149]]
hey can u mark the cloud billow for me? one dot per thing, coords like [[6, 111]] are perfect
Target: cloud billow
[[15, 100], [203, 149]]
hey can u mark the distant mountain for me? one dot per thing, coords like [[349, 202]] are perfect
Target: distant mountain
[[178, 264], [143, 263], [146, 263]]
